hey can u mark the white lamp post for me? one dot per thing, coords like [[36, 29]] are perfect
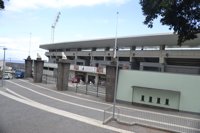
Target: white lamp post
[[116, 75], [4, 54]]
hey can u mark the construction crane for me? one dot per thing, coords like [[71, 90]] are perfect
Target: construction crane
[[53, 26]]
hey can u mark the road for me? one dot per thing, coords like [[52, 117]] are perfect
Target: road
[[29, 108]]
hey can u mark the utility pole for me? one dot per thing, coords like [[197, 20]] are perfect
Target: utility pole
[[54, 26]]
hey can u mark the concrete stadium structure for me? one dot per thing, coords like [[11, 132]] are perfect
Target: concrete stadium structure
[[155, 53]]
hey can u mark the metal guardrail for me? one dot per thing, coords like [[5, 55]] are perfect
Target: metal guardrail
[[108, 114], [174, 123]]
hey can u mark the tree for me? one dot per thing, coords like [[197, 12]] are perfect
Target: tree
[[1, 4], [182, 16]]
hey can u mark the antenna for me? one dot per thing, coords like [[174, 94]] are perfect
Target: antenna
[[53, 26]]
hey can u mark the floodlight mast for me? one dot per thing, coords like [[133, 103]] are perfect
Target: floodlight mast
[[54, 26]]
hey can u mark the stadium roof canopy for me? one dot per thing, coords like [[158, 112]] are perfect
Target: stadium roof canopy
[[147, 40]]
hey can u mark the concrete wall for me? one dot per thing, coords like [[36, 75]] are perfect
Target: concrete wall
[[187, 85]]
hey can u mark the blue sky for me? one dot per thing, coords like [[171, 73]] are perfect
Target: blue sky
[[79, 20]]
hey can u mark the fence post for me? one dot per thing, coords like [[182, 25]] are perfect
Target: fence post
[[86, 87], [104, 117], [46, 78], [76, 87], [97, 88]]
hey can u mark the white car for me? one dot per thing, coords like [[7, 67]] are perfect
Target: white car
[[7, 76]]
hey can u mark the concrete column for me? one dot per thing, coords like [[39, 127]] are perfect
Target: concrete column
[[94, 49], [162, 60], [110, 82], [133, 48], [96, 78], [63, 75], [162, 47], [86, 78], [28, 67], [134, 64], [75, 58], [78, 49], [107, 48], [38, 70]]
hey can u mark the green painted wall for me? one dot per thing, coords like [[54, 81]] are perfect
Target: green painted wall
[[187, 85]]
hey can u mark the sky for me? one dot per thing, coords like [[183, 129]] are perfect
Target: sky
[[26, 24]]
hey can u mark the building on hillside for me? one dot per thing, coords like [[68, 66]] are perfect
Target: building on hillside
[[155, 53]]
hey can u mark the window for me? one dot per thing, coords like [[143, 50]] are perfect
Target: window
[[158, 100], [142, 98], [79, 63], [167, 102], [150, 99]]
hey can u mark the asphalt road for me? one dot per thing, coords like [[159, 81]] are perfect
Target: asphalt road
[[36, 108], [17, 117]]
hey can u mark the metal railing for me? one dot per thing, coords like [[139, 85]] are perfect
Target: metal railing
[[49, 79], [162, 121], [91, 89], [108, 114]]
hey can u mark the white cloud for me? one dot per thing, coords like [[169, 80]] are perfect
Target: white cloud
[[18, 5], [18, 48]]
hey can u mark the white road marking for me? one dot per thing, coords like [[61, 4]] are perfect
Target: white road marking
[[60, 100], [140, 110], [64, 113], [16, 94], [143, 119]]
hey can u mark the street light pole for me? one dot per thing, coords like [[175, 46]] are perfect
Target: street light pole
[[30, 44], [4, 55], [116, 73]]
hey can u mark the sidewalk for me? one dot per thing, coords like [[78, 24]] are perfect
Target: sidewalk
[[134, 111]]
